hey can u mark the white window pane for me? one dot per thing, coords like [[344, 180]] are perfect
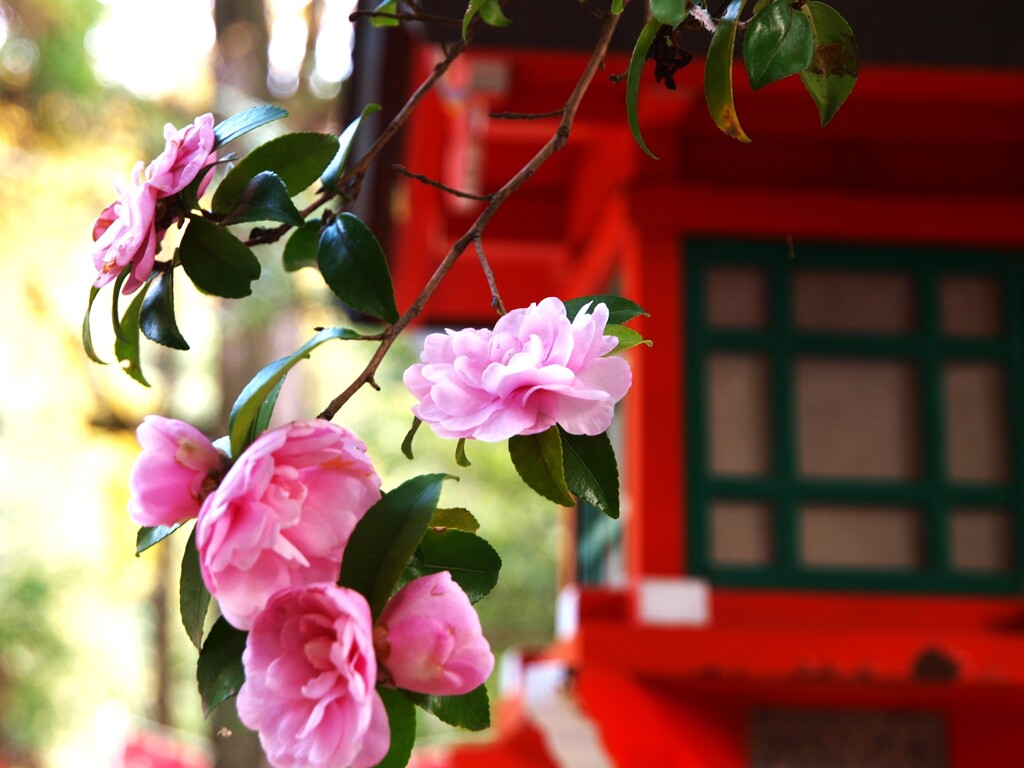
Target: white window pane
[[857, 419], [852, 536], [741, 533], [860, 302], [740, 423], [976, 423]]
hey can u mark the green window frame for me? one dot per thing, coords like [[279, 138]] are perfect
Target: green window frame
[[932, 493]]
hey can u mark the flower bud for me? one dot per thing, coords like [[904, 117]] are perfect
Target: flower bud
[[429, 638]]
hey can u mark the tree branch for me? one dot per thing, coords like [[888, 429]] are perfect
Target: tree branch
[[555, 143], [399, 168]]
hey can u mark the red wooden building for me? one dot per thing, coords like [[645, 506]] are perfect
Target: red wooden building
[[822, 552]]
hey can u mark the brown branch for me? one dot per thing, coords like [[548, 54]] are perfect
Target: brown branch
[[555, 143], [399, 168], [496, 302], [526, 115]]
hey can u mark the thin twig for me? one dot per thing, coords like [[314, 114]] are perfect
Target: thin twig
[[399, 168], [526, 115], [555, 143], [424, 17], [496, 302]]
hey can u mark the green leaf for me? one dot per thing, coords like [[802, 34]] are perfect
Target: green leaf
[[591, 471], [620, 310], [387, 536], [245, 413], [157, 316], [832, 73], [115, 311], [388, 6], [670, 12], [457, 518], [407, 442], [636, 69], [354, 267], [217, 261], [220, 673], [777, 44], [472, 562], [333, 172], [264, 199], [460, 454], [489, 10], [538, 460], [617, 7], [300, 248], [193, 597], [148, 536], [718, 73], [236, 125], [126, 349], [297, 158], [471, 711], [628, 338], [90, 351], [402, 722]]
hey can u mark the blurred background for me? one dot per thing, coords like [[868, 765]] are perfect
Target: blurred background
[[92, 655]]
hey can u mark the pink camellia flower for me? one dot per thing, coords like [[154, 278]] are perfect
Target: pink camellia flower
[[173, 474], [429, 640], [283, 514], [535, 369], [125, 233], [310, 673], [187, 152]]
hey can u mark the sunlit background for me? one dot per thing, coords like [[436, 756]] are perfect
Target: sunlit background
[[91, 650]]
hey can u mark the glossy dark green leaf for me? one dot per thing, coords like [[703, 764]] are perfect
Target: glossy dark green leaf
[[297, 158], [387, 536], [150, 535], [538, 460], [354, 267], [670, 12], [157, 316], [456, 518], [300, 248], [591, 471], [193, 597], [471, 711], [115, 309], [628, 338], [472, 562], [617, 7], [489, 10], [620, 310], [333, 172], [220, 673], [245, 413], [832, 73], [718, 73], [402, 723], [127, 349], [407, 442], [216, 261], [264, 198], [90, 351], [777, 44], [636, 69], [237, 125]]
